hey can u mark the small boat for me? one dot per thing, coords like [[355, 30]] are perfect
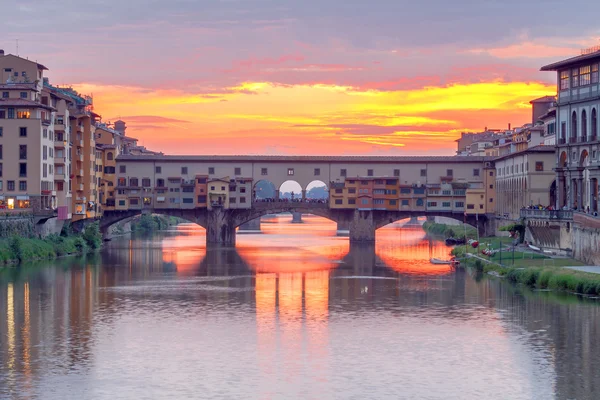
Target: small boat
[[534, 248], [438, 261]]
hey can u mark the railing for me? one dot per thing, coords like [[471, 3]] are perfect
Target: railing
[[546, 214], [593, 138], [562, 141], [266, 205], [583, 139], [573, 140]]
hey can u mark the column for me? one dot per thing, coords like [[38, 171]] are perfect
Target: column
[[277, 194], [362, 227], [580, 204], [559, 190], [303, 194]]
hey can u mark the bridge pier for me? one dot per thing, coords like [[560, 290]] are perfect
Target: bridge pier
[[220, 228], [343, 228], [362, 226], [296, 217]]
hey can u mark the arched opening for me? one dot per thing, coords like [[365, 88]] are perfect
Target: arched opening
[[583, 126], [574, 127], [563, 160], [317, 191], [290, 191], [109, 156], [264, 191], [594, 124], [586, 189], [552, 193]]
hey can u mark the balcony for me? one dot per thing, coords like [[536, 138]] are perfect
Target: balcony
[[80, 187], [80, 172], [582, 139], [562, 141], [59, 177], [46, 121], [60, 160], [573, 140], [546, 214], [60, 144], [593, 138], [78, 142]]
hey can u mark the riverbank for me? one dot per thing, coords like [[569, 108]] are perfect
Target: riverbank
[[450, 231], [17, 249], [533, 270], [152, 223]]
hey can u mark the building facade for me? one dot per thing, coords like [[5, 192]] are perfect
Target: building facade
[[577, 144]]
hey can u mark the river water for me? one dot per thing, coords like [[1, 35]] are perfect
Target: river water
[[293, 313]]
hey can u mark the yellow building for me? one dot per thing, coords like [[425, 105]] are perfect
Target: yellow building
[[218, 193]]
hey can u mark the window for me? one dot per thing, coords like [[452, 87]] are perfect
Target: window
[[379, 201], [133, 182], [470, 206], [351, 201], [369, 172], [160, 182], [564, 80], [449, 172], [22, 152], [264, 171], [44, 152], [343, 172], [10, 185], [121, 202], [22, 131], [290, 171], [419, 190], [5, 95], [237, 171], [11, 113], [23, 170], [242, 199], [202, 180], [423, 172], [23, 95], [338, 201], [23, 186], [211, 170], [188, 200], [420, 202], [476, 172], [481, 206], [147, 201], [575, 78], [109, 170], [146, 182], [405, 202], [158, 170], [351, 190], [584, 75], [122, 182], [491, 173], [242, 189], [491, 186], [202, 199], [184, 170], [212, 188], [0, 169], [396, 172], [539, 166], [432, 204], [491, 200], [594, 73], [379, 181], [109, 156], [317, 171], [459, 204], [392, 202], [404, 190], [122, 169], [447, 192], [232, 200], [134, 202], [364, 201], [446, 204], [188, 189]]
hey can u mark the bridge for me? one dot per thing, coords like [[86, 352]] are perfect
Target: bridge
[[221, 224]]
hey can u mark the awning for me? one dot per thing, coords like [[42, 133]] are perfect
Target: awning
[[160, 199], [22, 197]]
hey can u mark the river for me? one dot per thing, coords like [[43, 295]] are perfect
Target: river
[[292, 313]]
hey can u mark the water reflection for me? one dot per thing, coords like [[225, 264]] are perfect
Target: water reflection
[[287, 315]]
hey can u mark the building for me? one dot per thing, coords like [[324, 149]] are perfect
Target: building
[[26, 138], [577, 109], [523, 179], [218, 192]]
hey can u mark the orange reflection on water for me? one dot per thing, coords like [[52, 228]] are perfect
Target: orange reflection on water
[[409, 251], [183, 249]]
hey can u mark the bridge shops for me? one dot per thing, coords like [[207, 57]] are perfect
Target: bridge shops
[[364, 193]]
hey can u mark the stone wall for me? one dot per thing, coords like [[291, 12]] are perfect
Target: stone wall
[[20, 226], [586, 242], [556, 236], [52, 226]]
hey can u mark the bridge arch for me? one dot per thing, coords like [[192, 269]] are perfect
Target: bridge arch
[[314, 191], [111, 217], [261, 209], [264, 189], [291, 190], [477, 221]]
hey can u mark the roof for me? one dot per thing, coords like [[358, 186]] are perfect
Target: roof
[[23, 103], [570, 61], [545, 99], [551, 113], [312, 159], [535, 149], [106, 146], [40, 66]]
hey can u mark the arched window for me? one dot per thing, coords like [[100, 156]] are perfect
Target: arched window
[[583, 126], [419, 202], [594, 124], [109, 156], [573, 126]]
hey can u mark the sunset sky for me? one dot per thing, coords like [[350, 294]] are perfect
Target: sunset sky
[[303, 77]]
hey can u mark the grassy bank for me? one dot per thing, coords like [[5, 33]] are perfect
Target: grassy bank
[[151, 223], [18, 249], [533, 270], [448, 231]]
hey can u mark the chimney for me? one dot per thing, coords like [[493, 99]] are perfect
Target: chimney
[[1, 52], [509, 126]]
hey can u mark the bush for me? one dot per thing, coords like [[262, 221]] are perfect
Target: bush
[[15, 244], [478, 266], [92, 236]]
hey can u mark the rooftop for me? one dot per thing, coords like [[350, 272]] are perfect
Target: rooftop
[[23, 103], [570, 61], [535, 149], [339, 159], [545, 99], [18, 86]]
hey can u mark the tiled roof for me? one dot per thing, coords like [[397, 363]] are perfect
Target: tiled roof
[[545, 99], [23, 103], [341, 159], [535, 149], [18, 86]]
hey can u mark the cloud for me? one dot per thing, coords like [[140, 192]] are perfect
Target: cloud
[[149, 119]]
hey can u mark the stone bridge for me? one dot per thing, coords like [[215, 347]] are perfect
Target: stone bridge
[[221, 224]]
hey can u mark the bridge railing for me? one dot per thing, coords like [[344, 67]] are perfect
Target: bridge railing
[[260, 205], [547, 214]]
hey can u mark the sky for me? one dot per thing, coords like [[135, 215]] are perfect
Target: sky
[[331, 77]]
